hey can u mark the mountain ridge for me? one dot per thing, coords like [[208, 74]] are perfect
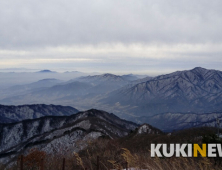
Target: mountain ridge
[[10, 113], [179, 121], [50, 132], [197, 90]]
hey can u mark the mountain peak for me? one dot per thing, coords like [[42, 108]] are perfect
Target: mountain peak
[[148, 129], [199, 69], [109, 75], [46, 71]]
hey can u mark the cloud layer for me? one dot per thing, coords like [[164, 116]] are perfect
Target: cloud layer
[[105, 34]]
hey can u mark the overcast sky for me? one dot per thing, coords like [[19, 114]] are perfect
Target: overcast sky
[[118, 36]]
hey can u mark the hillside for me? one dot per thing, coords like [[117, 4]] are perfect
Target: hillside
[[135, 149], [169, 122], [52, 132], [9, 114]]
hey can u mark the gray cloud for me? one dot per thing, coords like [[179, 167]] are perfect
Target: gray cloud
[[54, 22], [111, 35]]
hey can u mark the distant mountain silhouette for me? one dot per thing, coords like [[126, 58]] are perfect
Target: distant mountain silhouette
[[46, 71]]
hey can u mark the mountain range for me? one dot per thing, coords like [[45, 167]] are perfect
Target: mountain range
[[198, 90], [59, 134], [175, 101], [66, 93]]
